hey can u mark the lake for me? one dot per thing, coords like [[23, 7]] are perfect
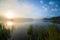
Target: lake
[[20, 29]]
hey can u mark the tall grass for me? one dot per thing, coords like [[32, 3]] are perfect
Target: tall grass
[[4, 33], [52, 32]]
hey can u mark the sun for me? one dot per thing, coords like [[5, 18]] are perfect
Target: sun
[[9, 15]]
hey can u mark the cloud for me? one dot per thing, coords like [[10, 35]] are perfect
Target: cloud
[[51, 3], [56, 5], [41, 2], [21, 9], [54, 9], [45, 9]]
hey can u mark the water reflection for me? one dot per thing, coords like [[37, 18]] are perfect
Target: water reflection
[[9, 24]]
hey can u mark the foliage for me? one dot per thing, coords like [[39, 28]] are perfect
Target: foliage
[[30, 31], [52, 32], [4, 33]]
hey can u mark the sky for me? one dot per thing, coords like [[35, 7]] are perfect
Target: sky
[[31, 8]]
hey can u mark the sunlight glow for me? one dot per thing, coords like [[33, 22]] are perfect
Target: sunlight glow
[[9, 23], [9, 15]]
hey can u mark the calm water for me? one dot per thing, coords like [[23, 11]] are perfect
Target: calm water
[[20, 30]]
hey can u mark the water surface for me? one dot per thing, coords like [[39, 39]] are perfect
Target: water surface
[[20, 32]]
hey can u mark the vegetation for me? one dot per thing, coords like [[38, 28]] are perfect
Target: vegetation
[[30, 32], [53, 19], [4, 33], [52, 32]]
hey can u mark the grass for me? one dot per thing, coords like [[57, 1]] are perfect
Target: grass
[[52, 32]]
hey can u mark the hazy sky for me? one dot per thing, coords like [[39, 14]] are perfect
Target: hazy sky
[[31, 8]]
